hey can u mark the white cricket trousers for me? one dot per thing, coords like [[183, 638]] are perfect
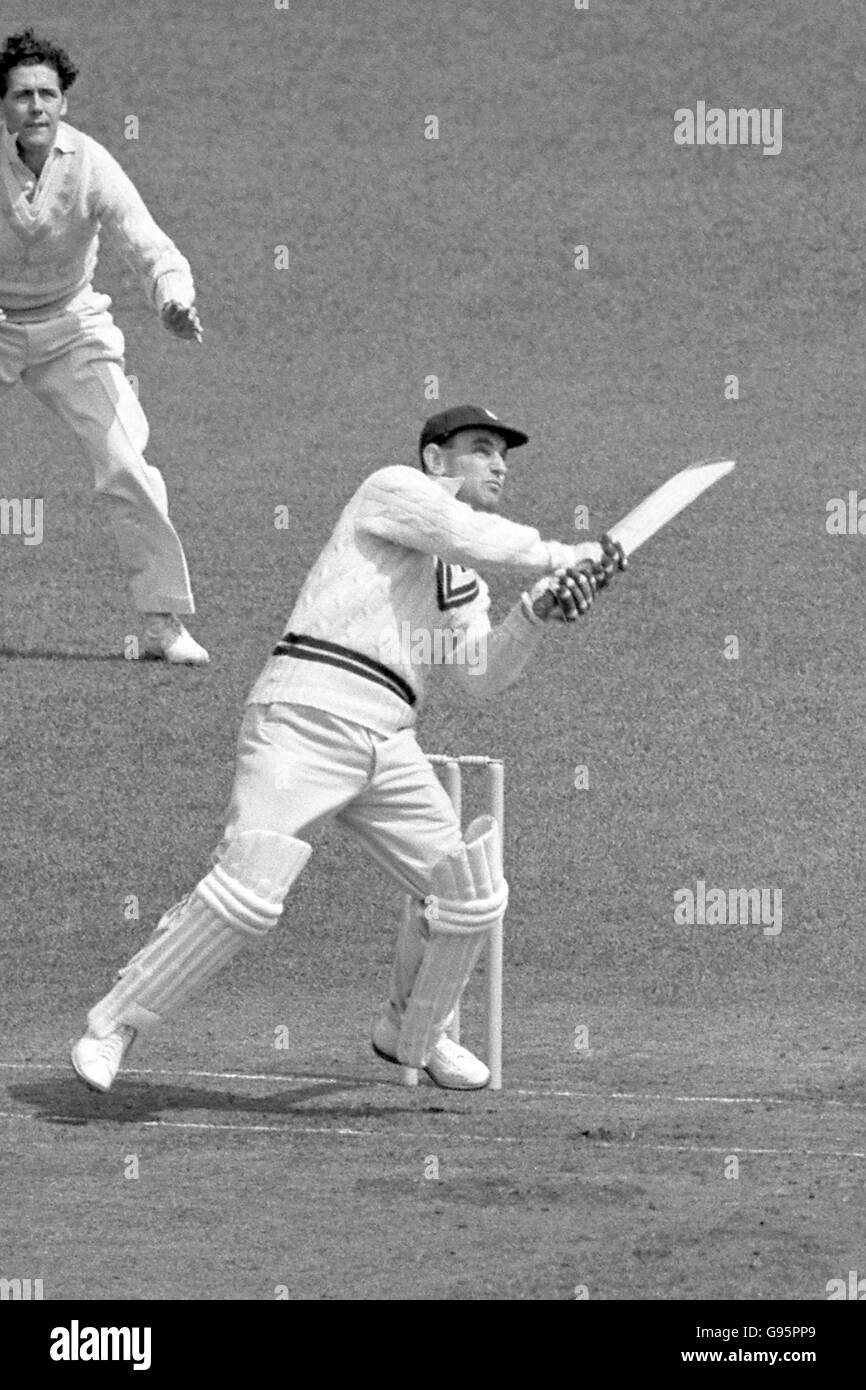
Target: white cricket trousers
[[74, 364], [297, 767]]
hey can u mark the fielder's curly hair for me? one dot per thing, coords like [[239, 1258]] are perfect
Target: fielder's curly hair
[[24, 48]]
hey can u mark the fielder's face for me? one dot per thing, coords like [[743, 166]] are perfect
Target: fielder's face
[[33, 107], [478, 456]]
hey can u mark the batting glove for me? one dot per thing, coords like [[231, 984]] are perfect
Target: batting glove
[[564, 595]]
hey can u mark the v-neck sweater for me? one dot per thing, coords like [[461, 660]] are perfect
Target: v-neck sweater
[[49, 236]]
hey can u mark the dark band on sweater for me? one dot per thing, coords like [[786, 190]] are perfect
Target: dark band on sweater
[[331, 654]]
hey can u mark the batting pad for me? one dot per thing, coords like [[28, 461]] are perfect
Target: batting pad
[[239, 901], [469, 895]]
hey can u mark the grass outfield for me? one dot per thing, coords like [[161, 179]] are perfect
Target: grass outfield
[[409, 258]]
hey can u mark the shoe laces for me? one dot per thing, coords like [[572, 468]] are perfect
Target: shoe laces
[[116, 1044], [110, 1049]]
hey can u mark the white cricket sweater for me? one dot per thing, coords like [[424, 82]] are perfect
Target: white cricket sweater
[[392, 595], [49, 245]]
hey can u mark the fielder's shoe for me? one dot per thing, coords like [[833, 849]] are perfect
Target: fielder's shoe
[[97, 1060], [166, 639], [451, 1066]]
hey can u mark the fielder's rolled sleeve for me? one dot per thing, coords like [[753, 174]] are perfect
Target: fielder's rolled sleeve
[[124, 216]]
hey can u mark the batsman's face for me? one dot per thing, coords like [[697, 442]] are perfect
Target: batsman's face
[[478, 456], [33, 106]]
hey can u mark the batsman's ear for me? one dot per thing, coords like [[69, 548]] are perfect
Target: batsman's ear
[[433, 459]]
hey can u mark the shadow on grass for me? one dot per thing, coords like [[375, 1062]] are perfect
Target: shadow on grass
[[65, 1101]]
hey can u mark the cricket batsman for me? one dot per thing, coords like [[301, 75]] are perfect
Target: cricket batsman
[[329, 731], [59, 190]]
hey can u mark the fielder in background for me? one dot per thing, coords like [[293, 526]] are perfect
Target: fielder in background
[[329, 731], [58, 190]]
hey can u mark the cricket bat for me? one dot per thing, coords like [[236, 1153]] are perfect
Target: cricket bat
[[661, 506]]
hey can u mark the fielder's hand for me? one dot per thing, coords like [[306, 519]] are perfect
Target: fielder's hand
[[564, 595], [182, 320]]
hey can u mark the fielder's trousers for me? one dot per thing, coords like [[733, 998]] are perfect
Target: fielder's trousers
[[74, 363]]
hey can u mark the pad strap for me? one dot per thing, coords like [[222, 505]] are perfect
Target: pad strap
[[238, 905], [458, 915]]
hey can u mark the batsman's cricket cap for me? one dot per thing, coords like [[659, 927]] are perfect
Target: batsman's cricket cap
[[466, 417]]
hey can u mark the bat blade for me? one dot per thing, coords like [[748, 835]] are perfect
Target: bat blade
[[661, 506]]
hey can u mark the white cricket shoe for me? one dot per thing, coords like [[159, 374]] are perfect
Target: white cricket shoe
[[451, 1066], [166, 639], [97, 1060]]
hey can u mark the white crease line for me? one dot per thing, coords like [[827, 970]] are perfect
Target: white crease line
[[427, 1135], [211, 1075], [732, 1149], [81, 1122], [360, 1081], [699, 1100]]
